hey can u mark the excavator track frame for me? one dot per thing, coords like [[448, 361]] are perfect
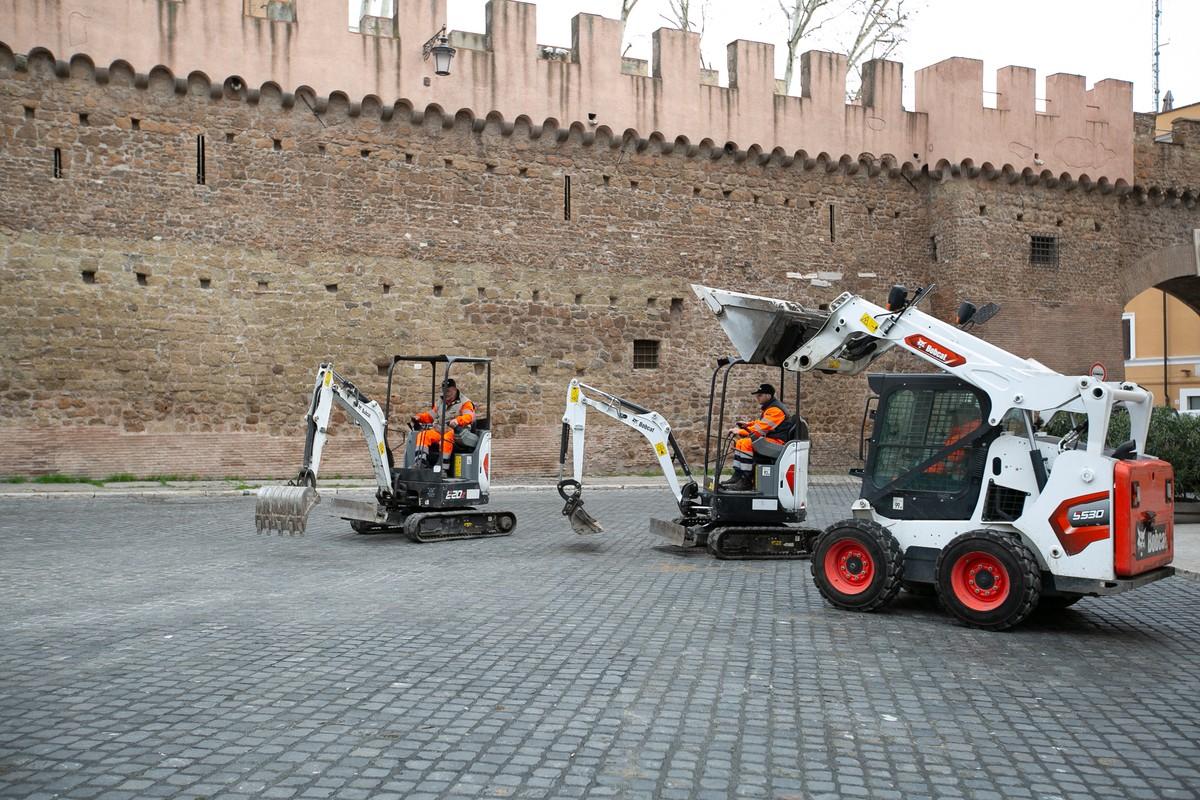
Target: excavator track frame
[[459, 523], [760, 542]]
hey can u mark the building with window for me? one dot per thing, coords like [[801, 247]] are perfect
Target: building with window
[[1162, 349], [1161, 333]]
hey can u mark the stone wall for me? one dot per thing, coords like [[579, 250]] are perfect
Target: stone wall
[[1171, 164], [156, 324]]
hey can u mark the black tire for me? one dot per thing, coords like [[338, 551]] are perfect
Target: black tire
[[857, 565], [919, 589], [1057, 602], [988, 579]]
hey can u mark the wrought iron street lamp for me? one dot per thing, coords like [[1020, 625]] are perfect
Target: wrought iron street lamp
[[439, 47]]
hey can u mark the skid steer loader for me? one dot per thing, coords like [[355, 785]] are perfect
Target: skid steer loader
[[960, 492], [428, 500]]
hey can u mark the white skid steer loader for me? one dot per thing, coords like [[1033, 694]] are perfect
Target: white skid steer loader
[[961, 494]]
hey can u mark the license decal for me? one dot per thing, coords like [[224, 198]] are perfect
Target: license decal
[[938, 352], [1150, 541]]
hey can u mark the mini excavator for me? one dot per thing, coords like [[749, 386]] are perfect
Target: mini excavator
[[764, 522], [426, 500], [961, 494]]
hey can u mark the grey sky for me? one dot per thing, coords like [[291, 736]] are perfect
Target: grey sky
[[1095, 38]]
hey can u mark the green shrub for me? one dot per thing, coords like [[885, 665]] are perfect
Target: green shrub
[[1173, 437]]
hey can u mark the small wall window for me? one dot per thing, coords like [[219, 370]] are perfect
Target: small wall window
[[274, 10], [1189, 401], [1043, 250], [58, 162], [200, 159], [645, 354], [1128, 333]]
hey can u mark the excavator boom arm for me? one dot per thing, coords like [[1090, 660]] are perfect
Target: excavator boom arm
[[581, 397]]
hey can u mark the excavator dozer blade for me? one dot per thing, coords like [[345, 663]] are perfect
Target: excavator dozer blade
[[582, 522], [284, 508]]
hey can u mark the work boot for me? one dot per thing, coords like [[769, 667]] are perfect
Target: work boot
[[740, 482]]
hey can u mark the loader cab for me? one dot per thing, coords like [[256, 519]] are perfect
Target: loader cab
[[927, 451]]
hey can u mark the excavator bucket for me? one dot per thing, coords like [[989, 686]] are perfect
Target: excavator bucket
[[763, 330], [581, 521], [284, 508]]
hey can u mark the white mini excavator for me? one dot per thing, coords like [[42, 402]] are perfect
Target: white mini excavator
[[763, 522], [961, 494], [428, 500]]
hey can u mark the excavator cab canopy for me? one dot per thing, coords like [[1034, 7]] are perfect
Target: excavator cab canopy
[[482, 414]]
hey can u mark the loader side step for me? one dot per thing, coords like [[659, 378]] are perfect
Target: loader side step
[[441, 526]]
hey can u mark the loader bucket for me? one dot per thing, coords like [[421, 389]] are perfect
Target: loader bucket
[[763, 330], [581, 521], [284, 508]]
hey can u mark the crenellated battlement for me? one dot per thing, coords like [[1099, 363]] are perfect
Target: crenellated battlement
[[1087, 133]]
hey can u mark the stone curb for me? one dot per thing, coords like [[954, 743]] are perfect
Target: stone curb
[[174, 491]]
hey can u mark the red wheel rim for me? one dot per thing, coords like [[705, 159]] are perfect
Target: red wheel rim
[[980, 581], [849, 567]]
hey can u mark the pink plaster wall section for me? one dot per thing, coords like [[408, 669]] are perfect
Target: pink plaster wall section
[[1082, 132]]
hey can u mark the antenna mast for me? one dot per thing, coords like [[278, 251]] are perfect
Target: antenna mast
[[1157, 17]]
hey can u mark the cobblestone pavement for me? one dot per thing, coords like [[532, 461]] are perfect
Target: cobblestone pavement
[[159, 648]]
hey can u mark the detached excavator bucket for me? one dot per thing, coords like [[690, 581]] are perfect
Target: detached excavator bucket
[[581, 521], [284, 508]]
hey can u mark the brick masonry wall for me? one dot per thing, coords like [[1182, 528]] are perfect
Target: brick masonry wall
[[1170, 165], [152, 324]]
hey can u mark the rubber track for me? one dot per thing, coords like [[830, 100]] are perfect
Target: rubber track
[[790, 554], [487, 528]]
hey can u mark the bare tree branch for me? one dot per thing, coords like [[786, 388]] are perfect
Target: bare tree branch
[[683, 15], [627, 7], [881, 29], [802, 20]]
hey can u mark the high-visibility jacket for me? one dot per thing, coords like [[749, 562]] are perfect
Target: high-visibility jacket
[[774, 415], [959, 431], [461, 411]]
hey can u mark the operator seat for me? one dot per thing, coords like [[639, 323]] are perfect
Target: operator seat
[[766, 452]]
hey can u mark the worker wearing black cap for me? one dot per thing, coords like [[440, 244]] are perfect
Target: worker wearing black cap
[[774, 415], [459, 414]]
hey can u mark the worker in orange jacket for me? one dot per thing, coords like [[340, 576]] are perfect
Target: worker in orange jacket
[[774, 414], [963, 420], [459, 414]]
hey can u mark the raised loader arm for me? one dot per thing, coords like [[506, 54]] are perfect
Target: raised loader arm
[[853, 332], [581, 397], [286, 508]]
